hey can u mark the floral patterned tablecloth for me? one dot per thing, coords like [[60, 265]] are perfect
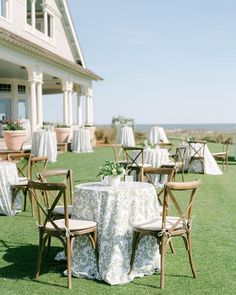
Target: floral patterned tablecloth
[[115, 208], [8, 176]]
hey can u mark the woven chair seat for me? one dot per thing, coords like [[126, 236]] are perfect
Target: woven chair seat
[[20, 183], [74, 224], [219, 154], [156, 224]]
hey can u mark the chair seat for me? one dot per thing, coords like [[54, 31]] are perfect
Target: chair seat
[[60, 210], [20, 183], [156, 224], [220, 154], [74, 224]]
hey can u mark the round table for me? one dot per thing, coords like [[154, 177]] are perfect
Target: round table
[[81, 141], [8, 176], [127, 136], [44, 143], [157, 135], [115, 209]]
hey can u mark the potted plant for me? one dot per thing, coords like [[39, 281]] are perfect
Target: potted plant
[[62, 133], [113, 171], [14, 135]]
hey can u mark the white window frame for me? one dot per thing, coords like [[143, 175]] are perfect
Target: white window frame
[[6, 5]]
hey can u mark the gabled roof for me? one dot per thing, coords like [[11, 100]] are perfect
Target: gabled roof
[[21, 44], [71, 32]]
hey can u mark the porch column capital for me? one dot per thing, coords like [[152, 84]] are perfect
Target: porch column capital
[[67, 85]]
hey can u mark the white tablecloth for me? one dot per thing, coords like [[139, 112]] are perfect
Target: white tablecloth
[[8, 176], [44, 143], [115, 209], [157, 135], [25, 123], [211, 166], [81, 141], [127, 136]]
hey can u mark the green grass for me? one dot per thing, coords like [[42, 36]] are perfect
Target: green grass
[[214, 235]]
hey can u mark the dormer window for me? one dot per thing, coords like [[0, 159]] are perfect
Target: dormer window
[[5, 8], [39, 18]]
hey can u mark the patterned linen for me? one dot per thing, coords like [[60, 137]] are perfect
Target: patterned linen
[[44, 143], [115, 209], [8, 176], [81, 142]]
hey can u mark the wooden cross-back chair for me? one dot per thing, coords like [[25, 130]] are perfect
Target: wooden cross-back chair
[[62, 176], [166, 227], [223, 155], [37, 165], [157, 177], [118, 153], [196, 152], [180, 157], [165, 145], [134, 161], [64, 229], [22, 161]]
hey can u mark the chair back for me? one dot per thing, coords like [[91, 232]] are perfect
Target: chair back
[[37, 165], [179, 195], [197, 149], [134, 156], [118, 152], [157, 176], [226, 145], [181, 154], [22, 161], [38, 190], [58, 176], [165, 145]]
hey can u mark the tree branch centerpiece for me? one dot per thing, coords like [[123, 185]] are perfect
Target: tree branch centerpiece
[[113, 171]]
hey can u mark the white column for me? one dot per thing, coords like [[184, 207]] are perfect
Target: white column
[[70, 119], [33, 13], [32, 110], [91, 111], [39, 104], [65, 106], [87, 110], [79, 109], [15, 101]]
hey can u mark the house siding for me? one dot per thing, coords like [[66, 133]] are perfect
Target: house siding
[[59, 45]]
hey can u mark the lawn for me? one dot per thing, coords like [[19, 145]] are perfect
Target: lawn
[[214, 236]]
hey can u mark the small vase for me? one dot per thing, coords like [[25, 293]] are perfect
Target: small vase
[[113, 180]]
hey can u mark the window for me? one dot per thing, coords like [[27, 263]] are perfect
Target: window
[[4, 6], [5, 88], [21, 89], [21, 108], [29, 12], [5, 108], [39, 18]]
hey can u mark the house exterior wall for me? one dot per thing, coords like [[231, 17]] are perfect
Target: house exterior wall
[[58, 44]]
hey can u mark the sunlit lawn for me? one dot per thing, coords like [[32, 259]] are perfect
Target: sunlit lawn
[[214, 238]]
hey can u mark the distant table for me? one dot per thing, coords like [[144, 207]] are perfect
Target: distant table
[[8, 176], [210, 164], [127, 136], [81, 141], [115, 208], [157, 135], [44, 143]]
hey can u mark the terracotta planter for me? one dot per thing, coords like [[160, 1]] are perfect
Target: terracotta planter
[[62, 134], [14, 140]]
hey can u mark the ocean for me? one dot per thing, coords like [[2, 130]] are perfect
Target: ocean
[[229, 127]]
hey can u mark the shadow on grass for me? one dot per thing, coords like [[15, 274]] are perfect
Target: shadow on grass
[[22, 264]]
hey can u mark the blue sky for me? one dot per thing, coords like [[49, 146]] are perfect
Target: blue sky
[[171, 61]]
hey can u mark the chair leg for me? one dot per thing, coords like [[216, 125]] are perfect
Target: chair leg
[[191, 256], [134, 247], [163, 252], [25, 198], [68, 262], [40, 254]]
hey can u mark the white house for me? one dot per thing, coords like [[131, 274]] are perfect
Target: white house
[[40, 54]]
